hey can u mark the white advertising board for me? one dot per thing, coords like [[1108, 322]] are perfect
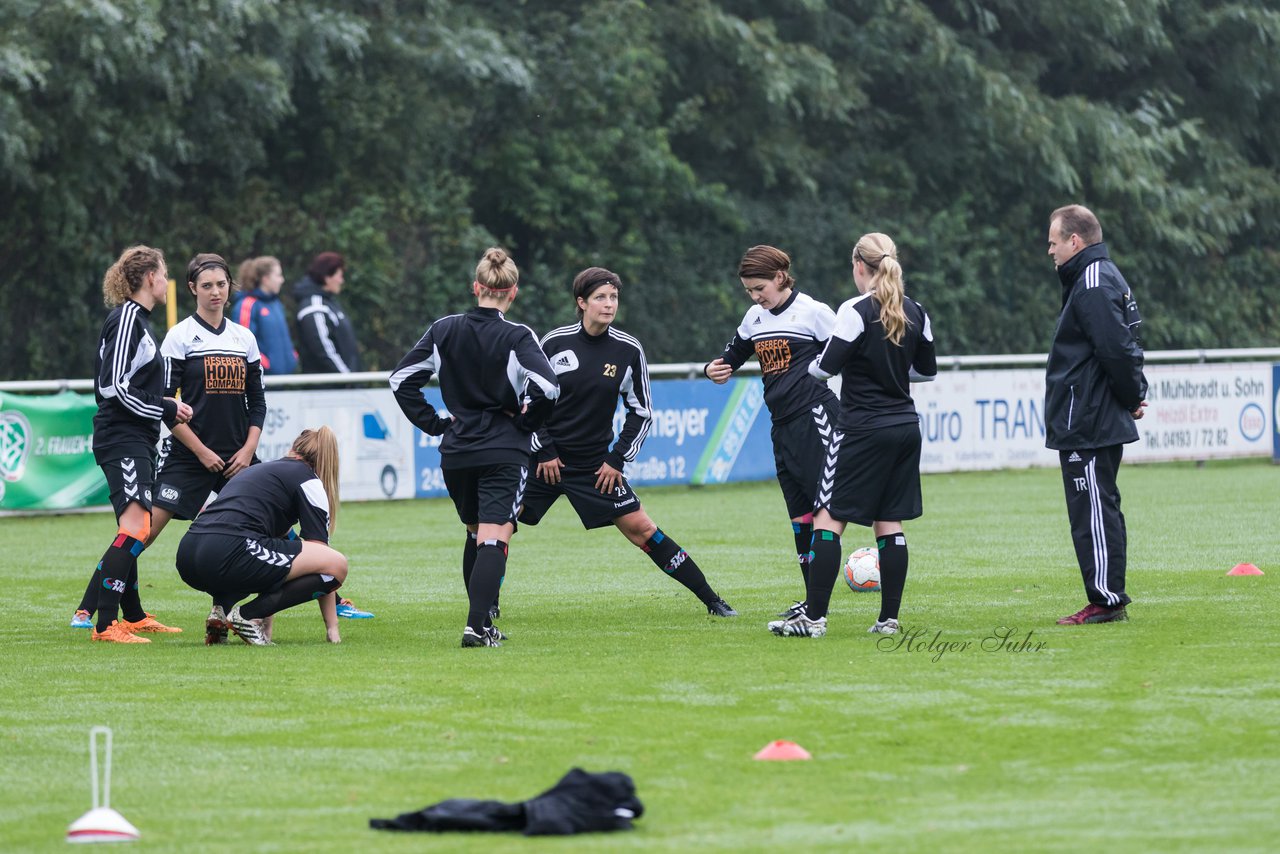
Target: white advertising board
[[375, 442], [993, 419]]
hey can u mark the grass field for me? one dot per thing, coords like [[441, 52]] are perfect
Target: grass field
[[1155, 735]]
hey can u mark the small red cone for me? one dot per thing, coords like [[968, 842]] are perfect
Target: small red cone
[[1244, 569], [782, 751]]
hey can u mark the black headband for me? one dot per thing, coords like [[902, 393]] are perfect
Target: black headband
[[208, 265]]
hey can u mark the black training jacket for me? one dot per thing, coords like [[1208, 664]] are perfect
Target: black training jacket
[[1094, 379], [129, 387], [496, 383], [326, 336]]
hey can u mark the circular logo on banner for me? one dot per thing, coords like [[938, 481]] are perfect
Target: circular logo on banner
[[15, 430], [1253, 421]]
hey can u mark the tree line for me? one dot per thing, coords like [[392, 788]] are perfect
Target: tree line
[[659, 139]]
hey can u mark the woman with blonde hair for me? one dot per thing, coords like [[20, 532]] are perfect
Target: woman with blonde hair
[[240, 544], [881, 342], [498, 388], [129, 389]]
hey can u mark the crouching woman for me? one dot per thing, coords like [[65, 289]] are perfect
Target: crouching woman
[[240, 544]]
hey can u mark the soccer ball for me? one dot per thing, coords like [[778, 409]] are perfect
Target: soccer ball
[[862, 570]]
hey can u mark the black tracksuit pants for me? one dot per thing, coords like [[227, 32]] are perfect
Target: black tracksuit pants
[[1097, 525]]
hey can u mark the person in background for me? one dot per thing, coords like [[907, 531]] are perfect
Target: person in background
[[258, 308], [1094, 392], [326, 335]]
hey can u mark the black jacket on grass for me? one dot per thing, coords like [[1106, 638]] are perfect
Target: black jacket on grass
[[1094, 380], [581, 802]]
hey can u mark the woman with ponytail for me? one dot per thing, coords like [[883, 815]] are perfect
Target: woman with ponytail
[[882, 341], [243, 543], [131, 404]]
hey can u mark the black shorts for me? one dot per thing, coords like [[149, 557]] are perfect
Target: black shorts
[[183, 484], [130, 480], [799, 447], [872, 477], [488, 495], [594, 508], [235, 564]]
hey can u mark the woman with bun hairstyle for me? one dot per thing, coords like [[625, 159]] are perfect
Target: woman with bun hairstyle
[[498, 389]]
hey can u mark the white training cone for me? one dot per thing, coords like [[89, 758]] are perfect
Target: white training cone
[[102, 823]]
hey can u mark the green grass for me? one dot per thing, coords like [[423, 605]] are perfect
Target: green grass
[[1155, 735]]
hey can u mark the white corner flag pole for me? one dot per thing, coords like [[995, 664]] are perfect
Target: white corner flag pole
[[102, 823]]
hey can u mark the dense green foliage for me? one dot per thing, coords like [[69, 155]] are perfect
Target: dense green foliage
[[1156, 735], [659, 139]]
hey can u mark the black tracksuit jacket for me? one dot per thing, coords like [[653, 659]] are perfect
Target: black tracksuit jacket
[[1094, 380]]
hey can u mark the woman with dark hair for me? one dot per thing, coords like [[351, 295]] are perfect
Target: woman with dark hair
[[129, 388], [216, 365], [882, 341], [326, 337], [498, 388], [240, 545], [785, 330], [596, 364]]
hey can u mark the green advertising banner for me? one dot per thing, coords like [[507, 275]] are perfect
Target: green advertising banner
[[46, 453]]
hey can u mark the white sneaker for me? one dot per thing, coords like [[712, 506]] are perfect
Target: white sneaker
[[249, 631], [884, 627], [799, 626], [215, 626]]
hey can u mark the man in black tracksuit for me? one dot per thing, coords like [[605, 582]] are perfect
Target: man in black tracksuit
[[1094, 391]]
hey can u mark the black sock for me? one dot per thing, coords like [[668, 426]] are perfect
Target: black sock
[[118, 562], [130, 601], [667, 555], [226, 601], [893, 573], [486, 576], [468, 559], [823, 570], [89, 601], [804, 544], [304, 588]]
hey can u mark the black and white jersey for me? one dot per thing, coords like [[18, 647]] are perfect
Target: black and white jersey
[[594, 371], [785, 340], [267, 500], [489, 369], [129, 386], [220, 374], [875, 373]]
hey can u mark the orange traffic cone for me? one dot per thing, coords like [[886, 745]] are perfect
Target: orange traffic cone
[[1244, 569], [782, 751]]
